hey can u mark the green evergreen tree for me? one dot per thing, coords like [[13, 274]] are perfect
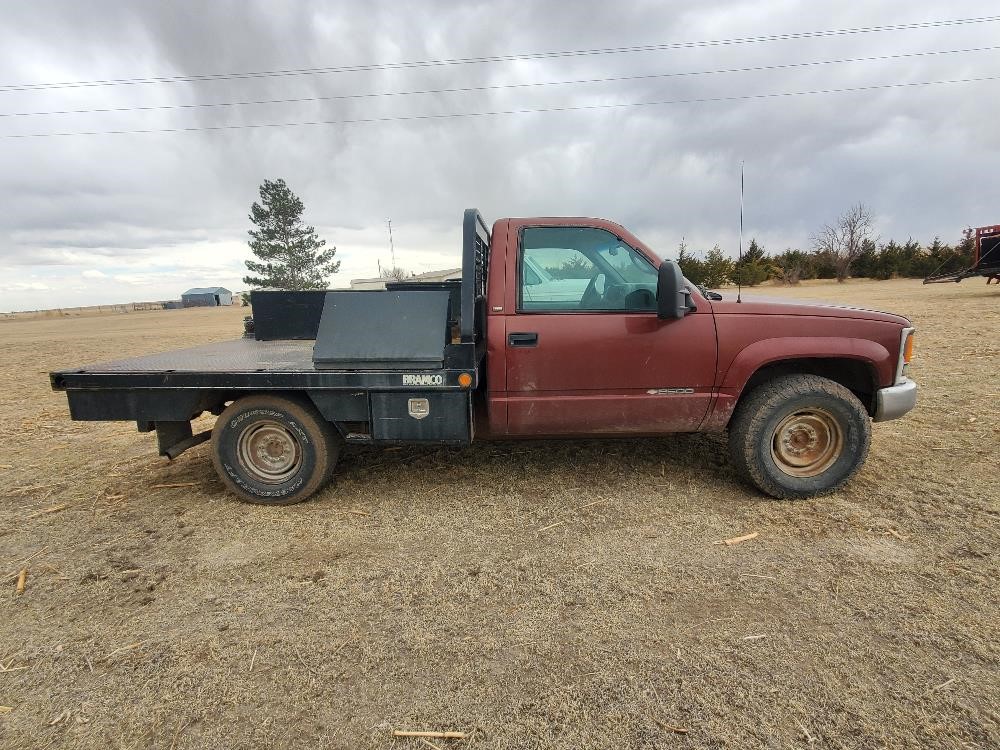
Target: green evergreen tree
[[939, 258], [291, 255], [718, 268], [755, 267], [913, 260], [965, 249], [867, 263], [889, 262], [792, 266], [824, 264], [754, 253], [692, 268]]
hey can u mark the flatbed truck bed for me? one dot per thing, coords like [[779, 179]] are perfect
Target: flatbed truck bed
[[238, 364]]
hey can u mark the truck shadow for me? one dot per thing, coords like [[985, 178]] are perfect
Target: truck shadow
[[606, 461]]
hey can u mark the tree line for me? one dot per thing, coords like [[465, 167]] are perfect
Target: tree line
[[290, 255], [845, 249]]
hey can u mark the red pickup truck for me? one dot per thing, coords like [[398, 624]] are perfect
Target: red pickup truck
[[559, 327]]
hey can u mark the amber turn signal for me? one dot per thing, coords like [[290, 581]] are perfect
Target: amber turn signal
[[465, 380], [908, 349]]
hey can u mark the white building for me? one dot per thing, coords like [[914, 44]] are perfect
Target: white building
[[379, 283]]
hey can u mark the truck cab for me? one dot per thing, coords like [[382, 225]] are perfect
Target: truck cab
[[591, 356]]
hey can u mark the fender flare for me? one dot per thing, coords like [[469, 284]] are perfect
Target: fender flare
[[769, 351]]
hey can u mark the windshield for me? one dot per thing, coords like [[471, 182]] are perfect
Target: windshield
[[626, 264]]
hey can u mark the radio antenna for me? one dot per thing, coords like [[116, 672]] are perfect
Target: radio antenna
[[739, 265]]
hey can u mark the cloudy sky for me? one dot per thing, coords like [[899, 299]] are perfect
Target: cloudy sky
[[103, 218]]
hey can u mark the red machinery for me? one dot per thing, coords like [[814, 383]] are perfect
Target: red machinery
[[985, 259]]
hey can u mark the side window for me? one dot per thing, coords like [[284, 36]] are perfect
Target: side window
[[569, 269]]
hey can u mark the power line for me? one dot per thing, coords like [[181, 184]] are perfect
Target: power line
[[454, 115], [5, 88], [496, 87]]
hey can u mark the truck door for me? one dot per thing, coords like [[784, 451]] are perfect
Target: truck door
[[585, 351]]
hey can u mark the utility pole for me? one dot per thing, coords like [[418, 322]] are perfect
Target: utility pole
[[392, 248]]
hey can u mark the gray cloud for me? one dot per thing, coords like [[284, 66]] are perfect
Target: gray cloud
[[171, 206]]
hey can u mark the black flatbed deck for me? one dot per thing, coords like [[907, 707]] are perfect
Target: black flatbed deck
[[240, 355], [239, 364]]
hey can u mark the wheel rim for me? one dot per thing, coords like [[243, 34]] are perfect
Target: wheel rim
[[269, 453], [807, 443]]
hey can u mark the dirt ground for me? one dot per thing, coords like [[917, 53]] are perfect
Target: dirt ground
[[546, 594]]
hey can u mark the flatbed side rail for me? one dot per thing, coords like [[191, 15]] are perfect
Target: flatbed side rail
[[446, 379], [475, 262]]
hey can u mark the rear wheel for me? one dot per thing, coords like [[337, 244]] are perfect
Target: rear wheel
[[273, 450], [799, 435]]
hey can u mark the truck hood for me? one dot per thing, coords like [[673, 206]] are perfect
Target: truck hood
[[754, 305]]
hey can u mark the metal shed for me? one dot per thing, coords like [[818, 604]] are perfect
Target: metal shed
[[207, 297]]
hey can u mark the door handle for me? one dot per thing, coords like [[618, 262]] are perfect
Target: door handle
[[522, 339]]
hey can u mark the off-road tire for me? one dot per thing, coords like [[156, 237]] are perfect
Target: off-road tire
[[250, 441], [753, 442]]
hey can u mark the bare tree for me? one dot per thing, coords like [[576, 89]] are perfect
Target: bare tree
[[845, 240], [395, 274]]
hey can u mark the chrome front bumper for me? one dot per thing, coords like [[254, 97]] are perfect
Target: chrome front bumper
[[894, 401]]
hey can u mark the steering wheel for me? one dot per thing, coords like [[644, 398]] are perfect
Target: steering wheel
[[592, 299]]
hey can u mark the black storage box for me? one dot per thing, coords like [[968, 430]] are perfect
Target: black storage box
[[286, 315], [438, 417], [452, 286], [397, 330]]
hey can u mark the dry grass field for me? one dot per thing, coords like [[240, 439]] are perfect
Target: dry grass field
[[530, 595]]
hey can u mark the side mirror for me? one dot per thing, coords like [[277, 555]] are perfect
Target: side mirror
[[673, 300]]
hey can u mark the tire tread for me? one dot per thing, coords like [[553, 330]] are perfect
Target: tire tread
[[746, 428], [323, 434]]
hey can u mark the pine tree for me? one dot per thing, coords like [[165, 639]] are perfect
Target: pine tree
[[792, 266], [754, 254], [291, 255], [718, 268], [754, 267], [692, 268]]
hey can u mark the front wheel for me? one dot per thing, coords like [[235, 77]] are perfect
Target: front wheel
[[799, 435], [272, 450]]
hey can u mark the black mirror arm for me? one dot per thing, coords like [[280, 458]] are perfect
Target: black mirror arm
[[689, 301]]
